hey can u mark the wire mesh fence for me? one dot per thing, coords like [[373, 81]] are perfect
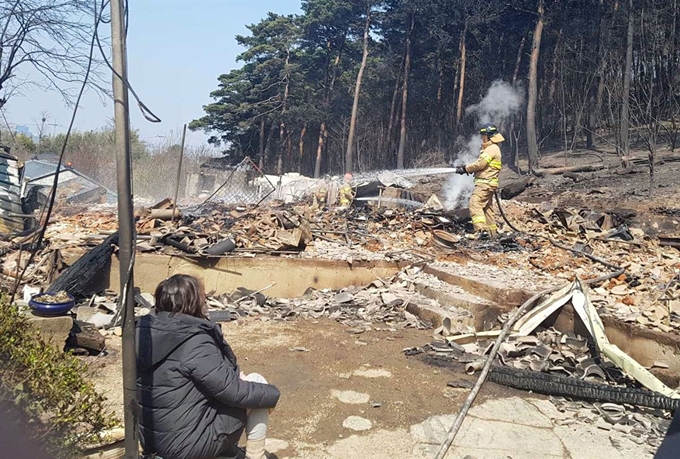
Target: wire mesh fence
[[245, 184]]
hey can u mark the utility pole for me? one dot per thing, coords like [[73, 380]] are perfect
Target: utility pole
[[126, 228], [179, 173]]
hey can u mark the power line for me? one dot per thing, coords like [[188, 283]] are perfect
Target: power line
[[146, 111]]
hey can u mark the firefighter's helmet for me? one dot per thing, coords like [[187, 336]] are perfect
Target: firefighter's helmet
[[488, 130]]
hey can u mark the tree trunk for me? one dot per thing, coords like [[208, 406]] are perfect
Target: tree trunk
[[624, 137], [518, 62], [269, 145], [302, 147], [282, 128], [461, 87], [349, 160], [439, 121], [326, 104], [511, 153], [532, 137], [553, 75], [594, 97], [319, 151], [394, 114], [289, 152], [262, 142], [404, 97]]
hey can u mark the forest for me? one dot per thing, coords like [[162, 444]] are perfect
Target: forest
[[359, 85]]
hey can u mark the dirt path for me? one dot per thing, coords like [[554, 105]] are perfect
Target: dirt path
[[369, 369]]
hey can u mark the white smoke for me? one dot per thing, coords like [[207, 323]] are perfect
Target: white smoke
[[502, 101]]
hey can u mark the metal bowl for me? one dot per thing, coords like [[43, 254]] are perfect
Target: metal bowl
[[40, 308], [444, 239]]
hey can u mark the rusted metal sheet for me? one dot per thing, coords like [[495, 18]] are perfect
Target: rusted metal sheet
[[10, 196]]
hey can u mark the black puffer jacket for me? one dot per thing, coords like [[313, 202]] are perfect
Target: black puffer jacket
[[189, 389]]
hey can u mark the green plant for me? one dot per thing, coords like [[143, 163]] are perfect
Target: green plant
[[62, 410]]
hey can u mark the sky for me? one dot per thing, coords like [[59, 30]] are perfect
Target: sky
[[176, 51]]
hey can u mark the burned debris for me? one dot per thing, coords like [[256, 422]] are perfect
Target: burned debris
[[443, 282]]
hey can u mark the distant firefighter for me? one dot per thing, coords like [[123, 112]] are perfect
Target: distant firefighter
[[486, 170], [321, 193], [346, 193]]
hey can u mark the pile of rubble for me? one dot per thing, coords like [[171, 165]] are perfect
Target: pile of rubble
[[647, 294], [538, 357], [286, 228], [640, 425], [649, 291], [386, 302]]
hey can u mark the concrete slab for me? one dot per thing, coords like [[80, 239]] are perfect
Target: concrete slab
[[515, 440], [584, 442], [547, 408], [518, 428], [429, 451], [513, 410], [52, 330]]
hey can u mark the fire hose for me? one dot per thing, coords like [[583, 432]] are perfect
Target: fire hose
[[458, 422]]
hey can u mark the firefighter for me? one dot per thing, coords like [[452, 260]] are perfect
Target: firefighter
[[486, 170], [321, 193], [346, 193]]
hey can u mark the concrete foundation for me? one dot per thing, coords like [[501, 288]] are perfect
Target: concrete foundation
[[644, 345], [290, 277], [52, 330]]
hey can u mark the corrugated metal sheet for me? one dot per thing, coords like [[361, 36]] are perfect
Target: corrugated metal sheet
[[10, 199], [72, 184], [35, 169]]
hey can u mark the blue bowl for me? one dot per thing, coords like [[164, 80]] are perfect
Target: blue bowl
[[50, 309]]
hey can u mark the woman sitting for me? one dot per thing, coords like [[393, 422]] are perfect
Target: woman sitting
[[195, 403]]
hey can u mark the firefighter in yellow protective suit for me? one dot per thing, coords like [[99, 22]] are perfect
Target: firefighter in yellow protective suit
[[486, 170], [321, 193], [346, 193]]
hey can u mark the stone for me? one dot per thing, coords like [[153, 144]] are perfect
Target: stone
[[85, 312], [620, 290], [274, 445], [100, 319], [460, 384], [343, 297], [54, 331], [373, 373], [357, 424], [388, 297], [351, 397]]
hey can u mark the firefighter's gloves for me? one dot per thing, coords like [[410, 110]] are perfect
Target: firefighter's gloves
[[461, 170]]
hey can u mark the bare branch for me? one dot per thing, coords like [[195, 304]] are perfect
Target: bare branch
[[50, 37]]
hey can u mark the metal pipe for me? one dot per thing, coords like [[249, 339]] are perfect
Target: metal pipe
[[126, 228], [179, 173]]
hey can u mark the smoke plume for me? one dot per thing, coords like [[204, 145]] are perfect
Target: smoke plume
[[501, 102]]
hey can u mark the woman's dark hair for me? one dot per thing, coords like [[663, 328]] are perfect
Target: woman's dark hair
[[181, 294]]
